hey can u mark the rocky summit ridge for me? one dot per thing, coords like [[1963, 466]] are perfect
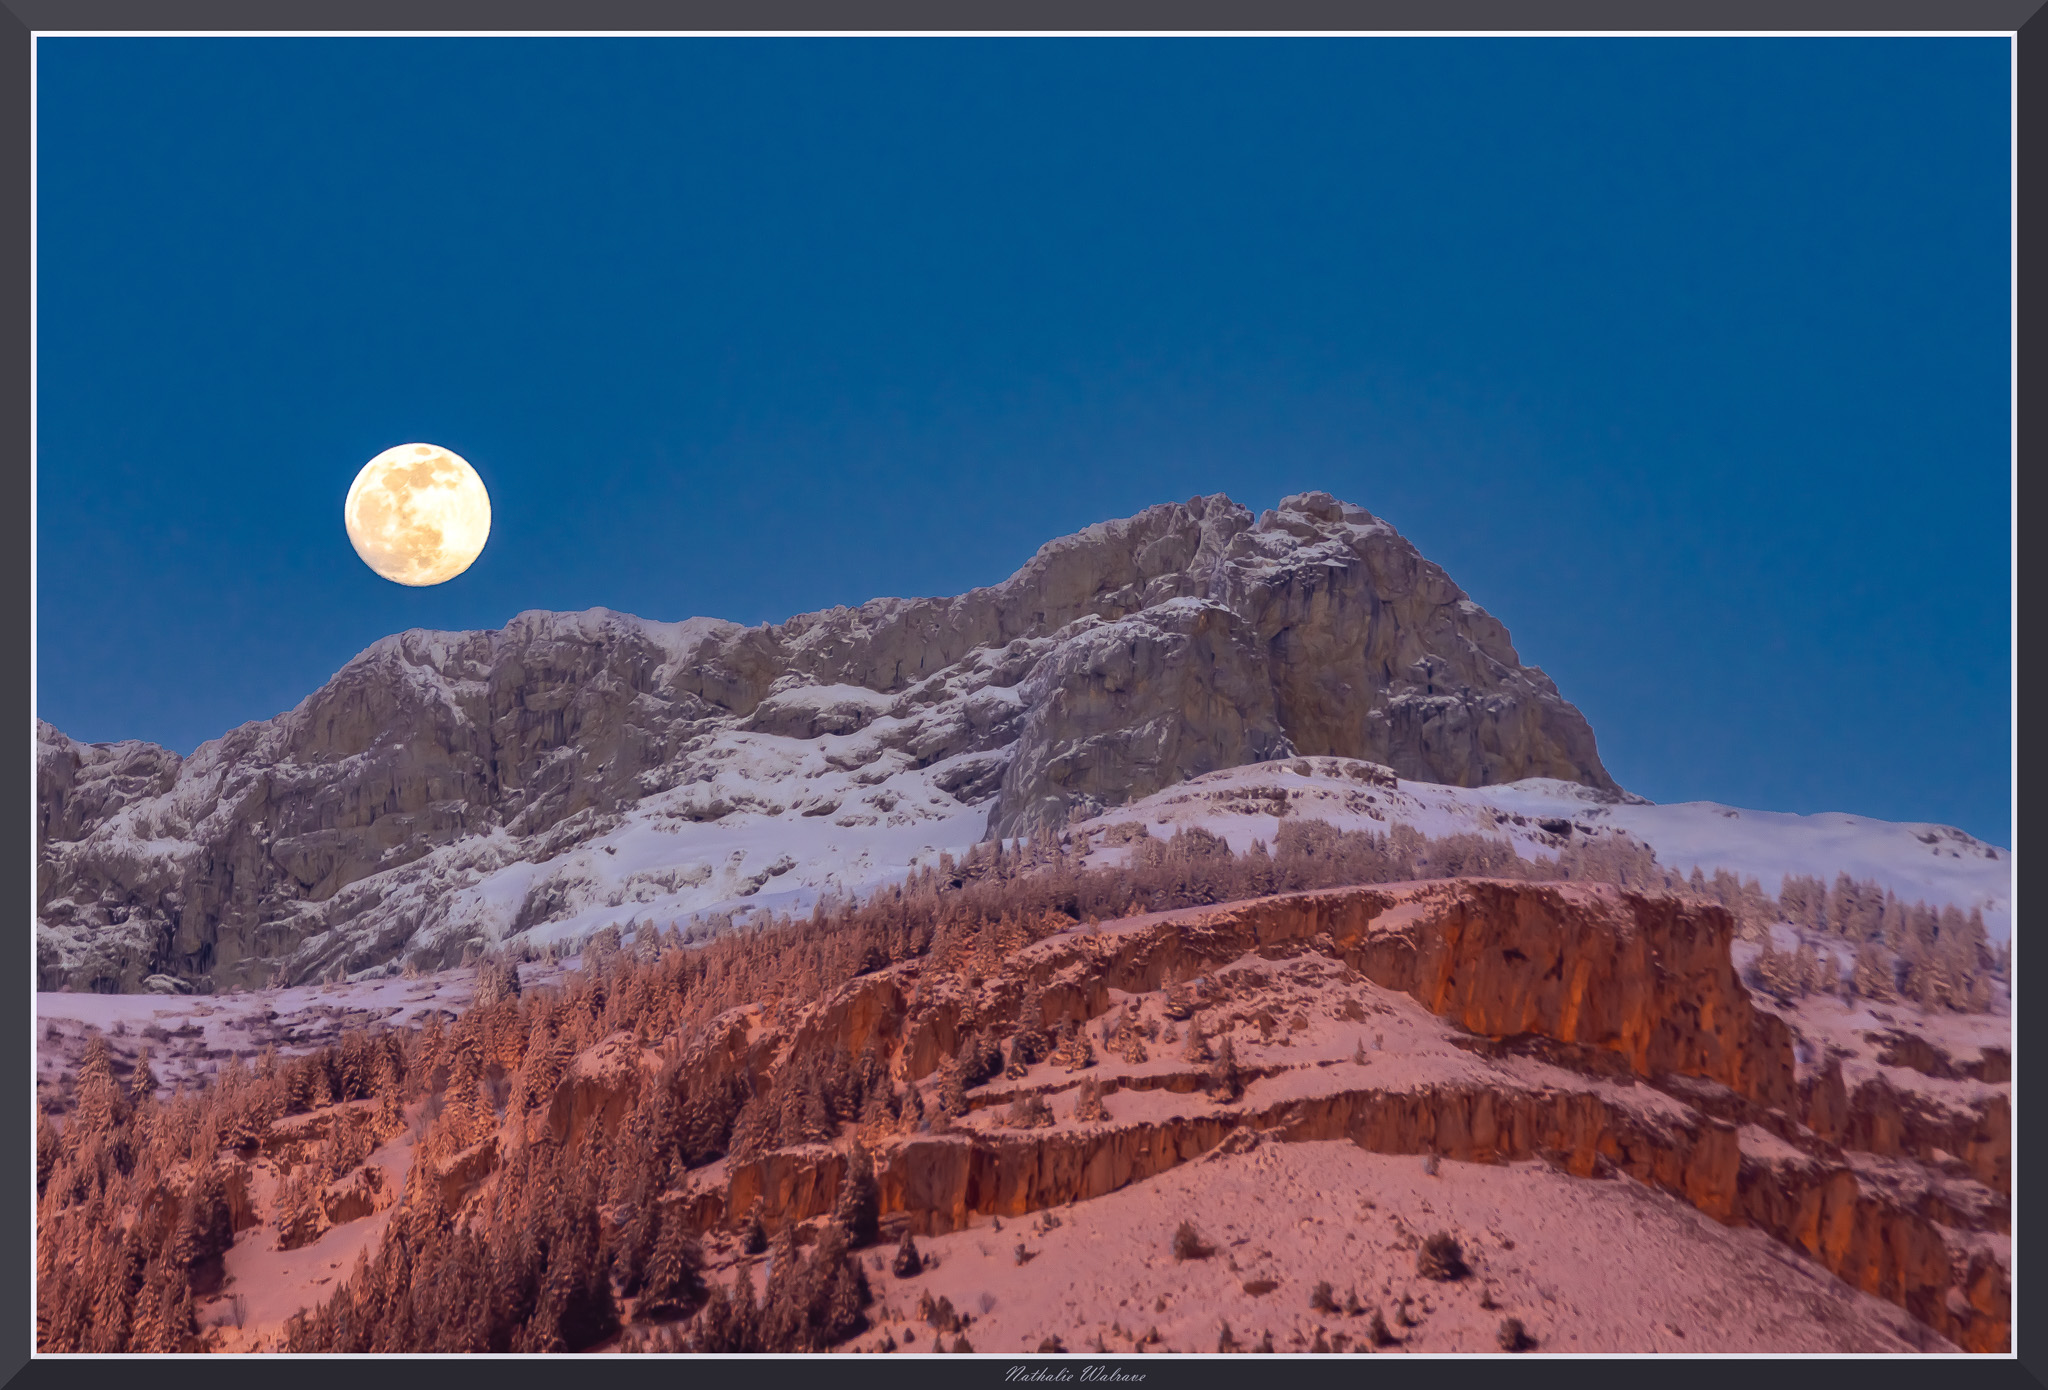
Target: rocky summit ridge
[[399, 810]]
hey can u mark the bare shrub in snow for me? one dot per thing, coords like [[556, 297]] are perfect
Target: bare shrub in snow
[[1441, 1258], [1029, 1113], [1188, 1243]]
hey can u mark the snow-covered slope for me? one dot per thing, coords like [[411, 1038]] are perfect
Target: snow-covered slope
[[664, 865], [784, 833], [1937, 864]]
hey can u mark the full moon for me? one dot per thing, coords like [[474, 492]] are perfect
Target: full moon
[[418, 514]]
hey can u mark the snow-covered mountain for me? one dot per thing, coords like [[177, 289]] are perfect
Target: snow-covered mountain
[[1936, 864], [572, 771]]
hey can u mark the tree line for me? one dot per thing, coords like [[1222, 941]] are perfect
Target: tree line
[[565, 1249]]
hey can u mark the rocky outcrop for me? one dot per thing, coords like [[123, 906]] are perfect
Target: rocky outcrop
[[239, 1187], [1335, 594], [461, 1173], [359, 1194], [1899, 1048], [1122, 709], [939, 1184], [215, 866], [1880, 1118], [1647, 978], [599, 1089], [349, 831], [1613, 1033]]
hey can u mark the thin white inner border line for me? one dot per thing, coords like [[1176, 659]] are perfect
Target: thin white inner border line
[[34, 794], [2012, 938], [1032, 34]]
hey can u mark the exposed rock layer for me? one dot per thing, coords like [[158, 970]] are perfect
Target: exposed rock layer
[[1656, 1066]]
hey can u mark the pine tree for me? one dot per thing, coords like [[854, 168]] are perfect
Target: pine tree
[[674, 1284], [99, 1104], [295, 1093], [1977, 996], [1872, 977], [1828, 975], [839, 1291], [248, 1121], [1929, 979], [1128, 1039], [782, 1293], [634, 1226], [467, 1117], [1774, 972], [875, 1115], [1923, 925], [1844, 907], [1075, 1052], [1226, 1083], [390, 1118], [912, 1119], [296, 1210], [1892, 923], [147, 1332], [859, 1209], [207, 1216], [47, 1148], [1805, 969], [113, 1302], [142, 1085], [952, 1091], [577, 1289], [979, 1058], [1029, 1045], [731, 1322], [1976, 945], [176, 1320]]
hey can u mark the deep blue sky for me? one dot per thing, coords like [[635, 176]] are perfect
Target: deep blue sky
[[1687, 358]]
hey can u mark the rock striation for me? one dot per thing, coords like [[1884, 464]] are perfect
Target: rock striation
[[1602, 1031], [343, 834]]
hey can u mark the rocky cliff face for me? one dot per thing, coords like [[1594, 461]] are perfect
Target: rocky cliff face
[[368, 822], [1602, 1031]]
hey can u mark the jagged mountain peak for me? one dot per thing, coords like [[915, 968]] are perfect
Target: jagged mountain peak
[[1116, 661]]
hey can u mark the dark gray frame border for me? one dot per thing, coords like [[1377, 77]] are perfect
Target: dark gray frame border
[[1271, 15], [19, 19]]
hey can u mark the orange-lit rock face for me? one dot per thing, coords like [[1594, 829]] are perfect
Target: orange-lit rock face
[[242, 1212], [599, 1088], [937, 1185], [357, 1195], [463, 1172], [1604, 1031], [867, 1013], [1649, 978], [1877, 1117]]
